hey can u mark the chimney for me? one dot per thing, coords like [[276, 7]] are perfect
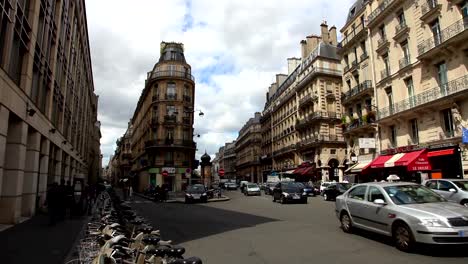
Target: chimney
[[304, 52], [332, 34], [312, 43], [325, 34], [292, 65]]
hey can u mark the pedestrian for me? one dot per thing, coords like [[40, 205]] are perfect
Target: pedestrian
[[130, 193], [70, 199], [62, 199], [158, 193], [52, 203]]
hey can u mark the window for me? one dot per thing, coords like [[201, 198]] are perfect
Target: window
[[346, 59], [3, 29], [393, 135], [171, 68], [464, 10], [374, 194], [16, 59], [186, 134], [358, 192], [170, 110], [406, 52], [442, 77], [171, 91], [401, 18], [414, 131], [386, 64], [447, 120], [431, 185], [445, 186], [435, 27], [390, 98], [382, 32], [363, 47], [410, 89], [359, 110], [169, 156], [348, 82]]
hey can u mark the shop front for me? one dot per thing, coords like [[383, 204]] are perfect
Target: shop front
[[411, 166], [446, 163]]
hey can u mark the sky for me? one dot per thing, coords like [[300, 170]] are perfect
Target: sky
[[235, 49]]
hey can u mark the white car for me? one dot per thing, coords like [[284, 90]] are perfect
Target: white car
[[252, 189], [323, 186]]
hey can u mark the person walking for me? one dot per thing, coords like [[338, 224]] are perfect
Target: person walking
[[130, 193]]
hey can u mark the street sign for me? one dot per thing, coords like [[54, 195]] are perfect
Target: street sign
[[165, 173], [221, 172], [367, 143]]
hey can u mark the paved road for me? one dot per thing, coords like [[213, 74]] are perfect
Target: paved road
[[256, 230]]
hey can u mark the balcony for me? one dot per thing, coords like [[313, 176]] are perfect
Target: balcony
[[401, 31], [457, 32], [171, 97], [306, 100], [363, 124], [354, 65], [353, 36], [404, 62], [317, 141], [382, 45], [187, 98], [357, 92], [170, 119], [364, 56], [186, 120], [155, 97], [451, 89], [430, 10], [154, 75], [385, 8], [315, 117], [313, 73], [384, 74], [164, 143], [284, 150]]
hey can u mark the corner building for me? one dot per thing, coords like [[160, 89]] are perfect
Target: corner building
[[48, 109], [162, 138], [420, 69]]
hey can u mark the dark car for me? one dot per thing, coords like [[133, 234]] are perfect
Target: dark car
[[334, 190], [309, 189], [289, 192], [196, 192], [269, 186]]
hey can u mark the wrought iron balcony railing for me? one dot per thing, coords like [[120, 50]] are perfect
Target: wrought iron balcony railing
[[446, 34], [162, 74], [400, 27], [354, 32], [321, 139], [364, 56], [447, 89], [170, 143], [384, 73], [374, 14], [171, 96], [170, 118], [428, 6], [364, 86], [382, 42]]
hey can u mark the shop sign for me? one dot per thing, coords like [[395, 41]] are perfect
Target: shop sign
[[367, 143], [420, 164], [170, 170]]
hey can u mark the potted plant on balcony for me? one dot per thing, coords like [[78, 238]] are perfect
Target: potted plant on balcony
[[371, 117], [344, 122], [364, 119]]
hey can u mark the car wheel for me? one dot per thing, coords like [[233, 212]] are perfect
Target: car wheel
[[464, 203], [325, 197], [346, 224], [404, 239], [282, 200]]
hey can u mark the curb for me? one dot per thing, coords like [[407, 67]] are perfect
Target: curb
[[214, 200]]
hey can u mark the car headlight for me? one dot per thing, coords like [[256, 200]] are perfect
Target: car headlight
[[203, 194], [285, 194], [304, 193], [188, 195], [432, 223]]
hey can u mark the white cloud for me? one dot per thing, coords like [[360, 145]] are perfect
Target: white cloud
[[235, 48]]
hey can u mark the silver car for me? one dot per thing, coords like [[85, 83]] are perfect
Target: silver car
[[454, 190], [408, 212]]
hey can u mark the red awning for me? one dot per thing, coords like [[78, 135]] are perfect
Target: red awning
[[308, 170], [379, 162], [408, 158], [442, 152], [298, 171]]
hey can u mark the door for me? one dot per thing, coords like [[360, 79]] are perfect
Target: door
[[435, 27], [376, 216], [356, 202], [442, 75], [444, 190]]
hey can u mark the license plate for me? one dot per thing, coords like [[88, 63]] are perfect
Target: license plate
[[196, 197], [296, 197], [463, 233]]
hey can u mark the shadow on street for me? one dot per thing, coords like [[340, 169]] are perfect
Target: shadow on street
[[186, 222]]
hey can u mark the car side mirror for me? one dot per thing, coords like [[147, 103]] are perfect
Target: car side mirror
[[380, 202], [452, 190]]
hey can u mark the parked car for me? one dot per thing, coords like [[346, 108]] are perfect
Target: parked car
[[407, 212], [231, 186], [269, 187], [335, 189], [289, 192], [196, 192], [454, 190], [252, 189], [242, 185]]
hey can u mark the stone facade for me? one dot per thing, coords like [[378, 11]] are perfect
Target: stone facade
[[162, 138], [48, 110], [248, 150]]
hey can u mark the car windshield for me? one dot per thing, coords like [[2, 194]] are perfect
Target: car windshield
[[292, 187], [252, 186], [412, 194], [462, 185], [196, 188]]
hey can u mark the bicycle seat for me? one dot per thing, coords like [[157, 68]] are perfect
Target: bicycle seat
[[176, 251], [151, 240], [191, 260]]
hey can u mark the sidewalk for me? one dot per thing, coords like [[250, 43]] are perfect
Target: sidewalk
[[34, 241]]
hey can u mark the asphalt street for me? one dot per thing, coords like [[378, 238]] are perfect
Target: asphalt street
[[256, 230]]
